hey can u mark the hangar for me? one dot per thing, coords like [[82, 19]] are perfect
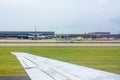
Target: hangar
[[26, 34]]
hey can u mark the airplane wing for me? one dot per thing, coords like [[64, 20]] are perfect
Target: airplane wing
[[40, 68]]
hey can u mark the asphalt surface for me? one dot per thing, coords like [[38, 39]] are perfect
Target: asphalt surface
[[57, 44], [15, 78], [47, 43]]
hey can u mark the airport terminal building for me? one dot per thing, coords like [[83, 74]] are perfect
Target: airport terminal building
[[26, 35], [33, 35], [91, 36]]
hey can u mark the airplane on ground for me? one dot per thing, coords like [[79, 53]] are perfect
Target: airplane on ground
[[40, 68]]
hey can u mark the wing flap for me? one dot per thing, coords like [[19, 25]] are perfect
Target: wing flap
[[40, 68]]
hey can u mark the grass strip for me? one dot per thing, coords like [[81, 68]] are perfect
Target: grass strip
[[103, 58]]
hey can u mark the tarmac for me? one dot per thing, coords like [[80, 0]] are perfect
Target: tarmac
[[54, 40], [55, 43], [15, 78], [58, 45]]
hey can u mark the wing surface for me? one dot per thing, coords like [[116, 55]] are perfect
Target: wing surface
[[40, 68]]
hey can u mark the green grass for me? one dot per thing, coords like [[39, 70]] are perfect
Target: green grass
[[103, 58]]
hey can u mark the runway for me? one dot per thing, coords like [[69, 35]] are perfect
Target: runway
[[57, 44], [41, 68]]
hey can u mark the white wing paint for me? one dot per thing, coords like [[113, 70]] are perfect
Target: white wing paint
[[40, 68]]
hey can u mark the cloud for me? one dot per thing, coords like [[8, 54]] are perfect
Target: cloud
[[102, 2], [8, 2], [15, 3], [82, 15]]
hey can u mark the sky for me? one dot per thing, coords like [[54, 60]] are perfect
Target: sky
[[61, 16]]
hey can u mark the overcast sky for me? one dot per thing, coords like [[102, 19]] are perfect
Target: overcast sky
[[61, 16]]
